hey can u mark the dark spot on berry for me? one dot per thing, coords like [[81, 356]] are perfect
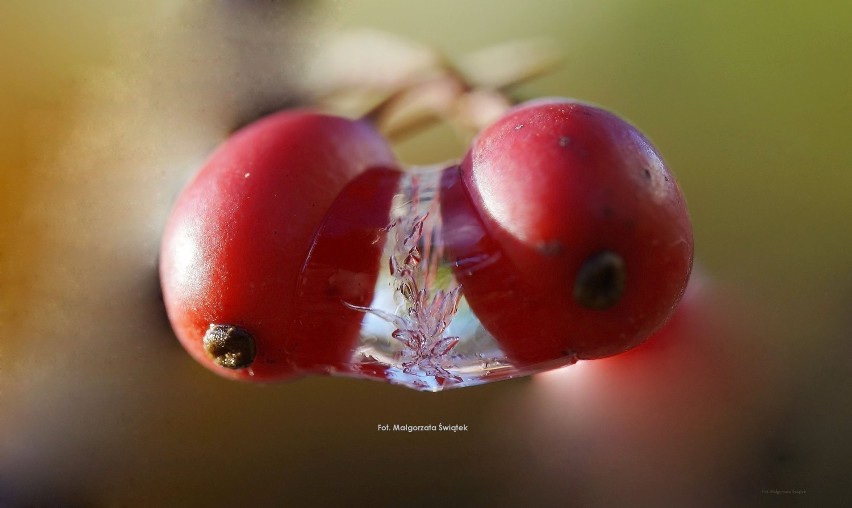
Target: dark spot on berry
[[646, 173], [600, 281], [229, 346], [564, 141], [552, 248]]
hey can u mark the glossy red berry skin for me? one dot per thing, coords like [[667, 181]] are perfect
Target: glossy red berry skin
[[342, 267], [578, 241], [239, 237]]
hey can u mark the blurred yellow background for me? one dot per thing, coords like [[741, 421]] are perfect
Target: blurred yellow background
[[107, 108]]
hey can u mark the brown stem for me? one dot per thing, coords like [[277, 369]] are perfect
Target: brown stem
[[468, 104]]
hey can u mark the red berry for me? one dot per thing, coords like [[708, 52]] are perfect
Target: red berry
[[342, 267], [569, 235], [238, 240]]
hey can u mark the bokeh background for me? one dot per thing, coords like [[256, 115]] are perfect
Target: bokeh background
[[107, 108]]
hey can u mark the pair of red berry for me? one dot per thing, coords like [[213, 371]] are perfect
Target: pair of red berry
[[566, 231]]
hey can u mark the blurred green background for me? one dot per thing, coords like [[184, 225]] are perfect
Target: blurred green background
[[107, 108]]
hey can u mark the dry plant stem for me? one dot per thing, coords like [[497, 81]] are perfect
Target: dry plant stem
[[448, 76], [427, 94], [466, 105]]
